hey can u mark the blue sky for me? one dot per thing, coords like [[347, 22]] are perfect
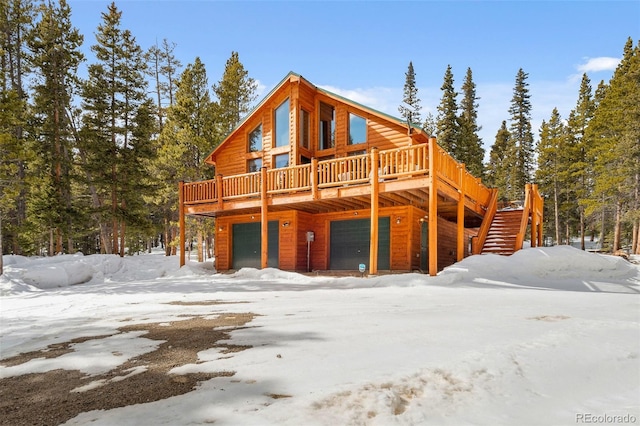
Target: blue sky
[[361, 49]]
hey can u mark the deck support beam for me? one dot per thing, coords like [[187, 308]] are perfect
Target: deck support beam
[[433, 208], [264, 220], [181, 222], [375, 188]]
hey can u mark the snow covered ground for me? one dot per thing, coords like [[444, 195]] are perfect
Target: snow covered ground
[[548, 336]]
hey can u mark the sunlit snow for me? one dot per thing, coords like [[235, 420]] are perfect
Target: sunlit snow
[[543, 337]]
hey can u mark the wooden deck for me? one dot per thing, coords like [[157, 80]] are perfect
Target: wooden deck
[[402, 176], [421, 175]]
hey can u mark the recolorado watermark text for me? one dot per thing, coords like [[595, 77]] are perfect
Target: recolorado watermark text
[[589, 418]]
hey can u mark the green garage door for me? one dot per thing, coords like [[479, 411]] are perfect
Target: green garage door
[[350, 243], [247, 245]]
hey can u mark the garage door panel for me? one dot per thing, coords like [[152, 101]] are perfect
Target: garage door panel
[[247, 245], [350, 243]]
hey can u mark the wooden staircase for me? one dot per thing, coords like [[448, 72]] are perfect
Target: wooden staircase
[[503, 232]]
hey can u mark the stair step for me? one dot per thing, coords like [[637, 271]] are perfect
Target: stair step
[[503, 232]]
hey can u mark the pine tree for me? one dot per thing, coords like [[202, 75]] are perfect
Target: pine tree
[[550, 166], [521, 135], [16, 18], [11, 152], [186, 139], [615, 134], [580, 168], [448, 128], [55, 47], [430, 125], [113, 97], [163, 67], [410, 107], [469, 150], [501, 159], [235, 93]]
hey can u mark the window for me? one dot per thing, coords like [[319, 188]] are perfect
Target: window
[[304, 129], [254, 165], [282, 124], [255, 139], [357, 129], [281, 160], [327, 128]]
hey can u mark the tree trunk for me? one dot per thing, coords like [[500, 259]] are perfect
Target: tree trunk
[[556, 213], [200, 242], [618, 227], [582, 231]]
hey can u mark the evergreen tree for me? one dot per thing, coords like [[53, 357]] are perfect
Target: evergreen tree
[[163, 70], [521, 135], [501, 159], [551, 165], [430, 125], [16, 19], [11, 153], [580, 168], [615, 134], [235, 93], [114, 96], [186, 139], [448, 128], [469, 149], [55, 45], [410, 107]]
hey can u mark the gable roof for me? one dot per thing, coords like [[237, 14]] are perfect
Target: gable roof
[[292, 77]]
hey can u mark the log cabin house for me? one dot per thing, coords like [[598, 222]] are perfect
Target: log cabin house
[[310, 180]]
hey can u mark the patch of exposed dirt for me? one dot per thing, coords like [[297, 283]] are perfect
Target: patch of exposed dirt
[[49, 398]]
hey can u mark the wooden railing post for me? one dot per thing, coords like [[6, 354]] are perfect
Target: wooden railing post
[[525, 218], [433, 208], [181, 222], [314, 178], [219, 190], [264, 220], [375, 185]]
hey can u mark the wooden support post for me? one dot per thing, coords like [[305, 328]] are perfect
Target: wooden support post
[[375, 187], [264, 220], [433, 208], [540, 219], [460, 218], [314, 178], [181, 222], [219, 191]]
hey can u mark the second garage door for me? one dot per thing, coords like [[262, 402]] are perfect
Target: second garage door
[[350, 243]]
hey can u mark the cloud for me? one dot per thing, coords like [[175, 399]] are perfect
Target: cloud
[[603, 63], [383, 99]]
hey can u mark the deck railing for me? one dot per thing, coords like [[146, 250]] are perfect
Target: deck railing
[[392, 164]]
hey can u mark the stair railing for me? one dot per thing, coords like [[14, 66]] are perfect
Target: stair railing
[[526, 214], [477, 243]]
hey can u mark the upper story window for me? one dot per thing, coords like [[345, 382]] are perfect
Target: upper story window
[[357, 129], [254, 165], [327, 127], [281, 130], [281, 160], [255, 139], [305, 129]]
